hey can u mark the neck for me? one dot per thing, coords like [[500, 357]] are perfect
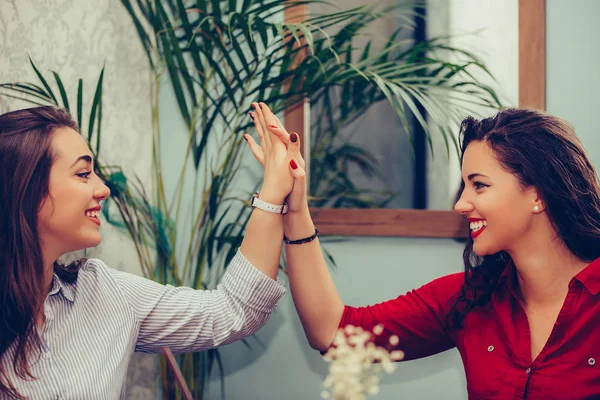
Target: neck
[[545, 266], [49, 259]]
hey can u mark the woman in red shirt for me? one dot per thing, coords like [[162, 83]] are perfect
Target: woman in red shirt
[[523, 313]]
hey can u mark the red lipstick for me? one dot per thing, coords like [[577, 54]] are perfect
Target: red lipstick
[[94, 219], [479, 231]]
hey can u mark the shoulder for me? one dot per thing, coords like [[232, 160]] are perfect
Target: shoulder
[[93, 265], [94, 268], [94, 273], [447, 284], [445, 290]]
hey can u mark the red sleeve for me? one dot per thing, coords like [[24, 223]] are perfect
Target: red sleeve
[[418, 318]]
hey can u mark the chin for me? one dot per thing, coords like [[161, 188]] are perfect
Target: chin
[[481, 250], [95, 243], [479, 253], [91, 241]]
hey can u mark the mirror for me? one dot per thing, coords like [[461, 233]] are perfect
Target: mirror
[[427, 185]]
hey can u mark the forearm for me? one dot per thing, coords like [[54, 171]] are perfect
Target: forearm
[[194, 320], [315, 296], [264, 235]]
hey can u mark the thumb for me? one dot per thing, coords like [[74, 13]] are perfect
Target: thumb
[[294, 145], [297, 198], [294, 150]]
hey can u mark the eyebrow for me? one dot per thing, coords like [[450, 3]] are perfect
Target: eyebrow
[[475, 175], [85, 158]]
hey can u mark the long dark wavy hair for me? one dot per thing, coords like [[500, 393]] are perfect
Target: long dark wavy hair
[[542, 151], [25, 161]]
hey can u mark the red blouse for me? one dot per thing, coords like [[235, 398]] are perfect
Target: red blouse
[[495, 344]]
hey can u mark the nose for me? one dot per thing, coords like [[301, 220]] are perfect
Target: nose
[[463, 205], [102, 191]]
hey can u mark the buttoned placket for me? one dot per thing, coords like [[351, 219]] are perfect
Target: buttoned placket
[[52, 370], [564, 313]]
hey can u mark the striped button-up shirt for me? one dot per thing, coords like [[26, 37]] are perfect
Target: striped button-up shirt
[[94, 325]]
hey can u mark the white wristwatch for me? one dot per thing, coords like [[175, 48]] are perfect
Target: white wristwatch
[[268, 207]]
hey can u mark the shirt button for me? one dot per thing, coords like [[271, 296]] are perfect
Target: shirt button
[[528, 370], [592, 361], [491, 348]]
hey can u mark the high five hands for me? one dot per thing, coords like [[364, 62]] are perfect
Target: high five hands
[[279, 154]]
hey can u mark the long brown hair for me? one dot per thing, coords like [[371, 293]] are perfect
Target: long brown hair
[[25, 161], [542, 151]]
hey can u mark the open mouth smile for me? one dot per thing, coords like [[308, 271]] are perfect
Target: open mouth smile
[[477, 226], [93, 214]]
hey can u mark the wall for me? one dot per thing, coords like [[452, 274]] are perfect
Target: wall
[[572, 84], [76, 39]]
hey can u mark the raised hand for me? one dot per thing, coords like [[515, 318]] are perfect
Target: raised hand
[[279, 153]]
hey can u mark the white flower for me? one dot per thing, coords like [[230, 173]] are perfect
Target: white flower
[[356, 362]]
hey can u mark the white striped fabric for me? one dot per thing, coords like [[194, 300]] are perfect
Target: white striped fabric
[[94, 325]]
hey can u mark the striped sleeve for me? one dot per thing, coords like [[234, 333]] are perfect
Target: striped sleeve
[[185, 319]]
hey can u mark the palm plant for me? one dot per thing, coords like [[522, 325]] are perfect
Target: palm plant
[[220, 56]]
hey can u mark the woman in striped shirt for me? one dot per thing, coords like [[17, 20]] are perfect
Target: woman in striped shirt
[[68, 332]]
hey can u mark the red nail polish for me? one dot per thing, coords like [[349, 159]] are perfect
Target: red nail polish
[[260, 105], [273, 126], [245, 138], [251, 114], [294, 137], [293, 164]]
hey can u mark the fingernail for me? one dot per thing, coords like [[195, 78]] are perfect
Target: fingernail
[[260, 105], [245, 138], [273, 126], [293, 164], [294, 137], [251, 114]]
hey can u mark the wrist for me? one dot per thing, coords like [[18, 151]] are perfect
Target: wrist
[[298, 220], [271, 197]]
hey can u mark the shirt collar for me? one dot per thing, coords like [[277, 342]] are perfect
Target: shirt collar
[[588, 277], [67, 290], [509, 276]]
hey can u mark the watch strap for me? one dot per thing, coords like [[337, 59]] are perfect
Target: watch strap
[[268, 207]]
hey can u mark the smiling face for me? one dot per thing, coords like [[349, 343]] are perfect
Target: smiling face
[[499, 209], [68, 217]]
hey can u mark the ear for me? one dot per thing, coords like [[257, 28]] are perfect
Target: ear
[[538, 205]]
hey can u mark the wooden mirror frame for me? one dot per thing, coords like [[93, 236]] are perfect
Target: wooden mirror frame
[[431, 223]]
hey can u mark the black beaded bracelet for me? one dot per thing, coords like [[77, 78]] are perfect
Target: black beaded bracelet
[[300, 241]]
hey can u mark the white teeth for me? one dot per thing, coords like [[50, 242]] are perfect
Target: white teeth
[[93, 214], [475, 226]]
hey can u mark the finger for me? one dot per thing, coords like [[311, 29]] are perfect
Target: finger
[[279, 130], [270, 118], [274, 125], [259, 129], [256, 150], [281, 134], [260, 119], [297, 197]]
